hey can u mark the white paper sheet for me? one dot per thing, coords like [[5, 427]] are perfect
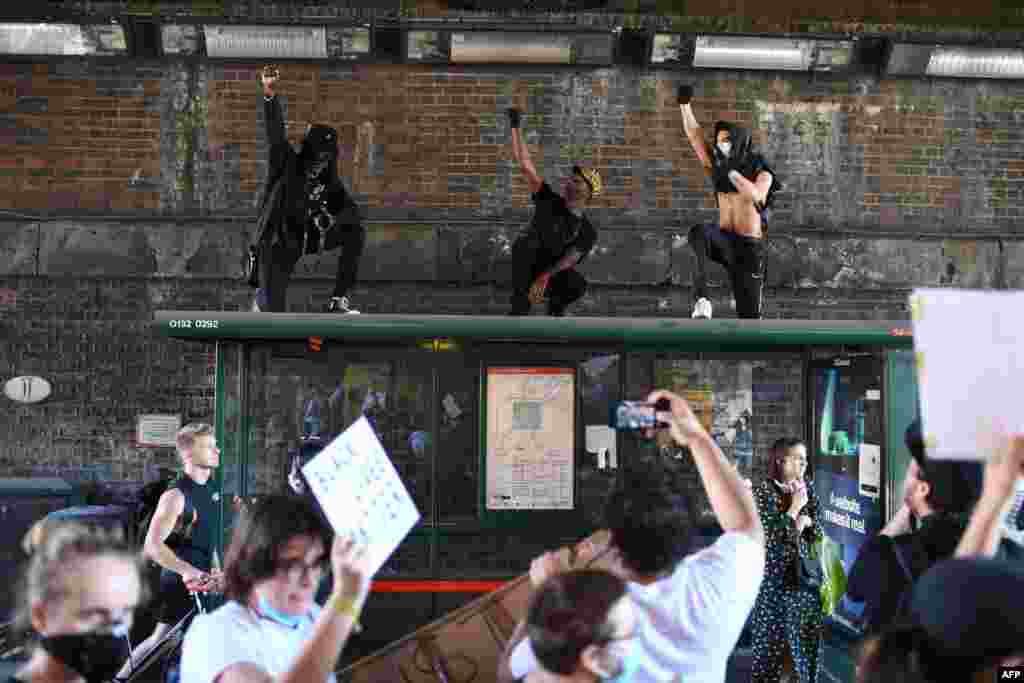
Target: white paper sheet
[[970, 369], [601, 440], [361, 493], [870, 475]]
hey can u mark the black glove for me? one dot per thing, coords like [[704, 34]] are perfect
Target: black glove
[[685, 94], [513, 117]]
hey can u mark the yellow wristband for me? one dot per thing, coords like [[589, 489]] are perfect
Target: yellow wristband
[[348, 607]]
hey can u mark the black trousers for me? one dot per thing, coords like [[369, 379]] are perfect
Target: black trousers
[[529, 260], [277, 263], [743, 258]]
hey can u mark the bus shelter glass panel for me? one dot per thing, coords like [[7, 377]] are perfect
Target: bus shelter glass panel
[[229, 427], [300, 400]]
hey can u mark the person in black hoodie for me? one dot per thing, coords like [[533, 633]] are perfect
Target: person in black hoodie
[[305, 209], [938, 495], [744, 187]]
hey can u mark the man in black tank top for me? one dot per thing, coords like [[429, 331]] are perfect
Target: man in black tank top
[[180, 535]]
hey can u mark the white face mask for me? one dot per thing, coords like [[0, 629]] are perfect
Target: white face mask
[[725, 148]]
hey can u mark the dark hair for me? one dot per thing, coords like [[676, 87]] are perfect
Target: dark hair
[[953, 487], [905, 652], [568, 613], [650, 514], [59, 553], [777, 455], [264, 529]]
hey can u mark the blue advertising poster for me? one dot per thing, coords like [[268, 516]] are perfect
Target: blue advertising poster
[[849, 519]]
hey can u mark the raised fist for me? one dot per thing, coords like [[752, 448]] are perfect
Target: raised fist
[[685, 94], [513, 117]]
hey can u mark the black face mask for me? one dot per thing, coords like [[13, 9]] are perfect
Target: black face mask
[[96, 656], [738, 159]]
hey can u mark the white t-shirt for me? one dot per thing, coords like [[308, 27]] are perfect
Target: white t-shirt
[[690, 621], [233, 634]]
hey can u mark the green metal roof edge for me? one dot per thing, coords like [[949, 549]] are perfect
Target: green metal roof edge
[[214, 325]]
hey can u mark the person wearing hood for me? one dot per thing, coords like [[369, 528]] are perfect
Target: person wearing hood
[[304, 209], [559, 238], [744, 187]]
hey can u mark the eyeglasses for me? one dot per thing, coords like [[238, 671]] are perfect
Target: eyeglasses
[[299, 569]]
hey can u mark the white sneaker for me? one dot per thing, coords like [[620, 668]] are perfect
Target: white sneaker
[[702, 309], [339, 304]]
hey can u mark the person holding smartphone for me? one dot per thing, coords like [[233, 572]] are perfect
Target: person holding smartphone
[[691, 607]]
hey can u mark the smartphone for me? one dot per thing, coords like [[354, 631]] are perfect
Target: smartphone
[[635, 415]]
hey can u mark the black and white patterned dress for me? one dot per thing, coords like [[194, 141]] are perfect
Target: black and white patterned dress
[[785, 616]]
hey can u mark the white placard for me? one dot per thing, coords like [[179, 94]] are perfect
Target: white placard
[[157, 431], [361, 493], [970, 369], [870, 475], [873, 395]]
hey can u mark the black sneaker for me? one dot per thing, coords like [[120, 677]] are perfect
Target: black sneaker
[[339, 304]]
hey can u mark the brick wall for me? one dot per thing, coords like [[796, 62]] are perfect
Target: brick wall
[[109, 212]]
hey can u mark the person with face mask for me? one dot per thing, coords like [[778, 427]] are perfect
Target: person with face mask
[[82, 587], [559, 237], [305, 209], [272, 629], [787, 615], [744, 189], [582, 626]]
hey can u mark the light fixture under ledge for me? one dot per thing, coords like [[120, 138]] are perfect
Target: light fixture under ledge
[[909, 59], [769, 53], [531, 48], [282, 42], [62, 39]]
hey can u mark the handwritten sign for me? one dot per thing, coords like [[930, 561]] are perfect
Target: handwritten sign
[[361, 493]]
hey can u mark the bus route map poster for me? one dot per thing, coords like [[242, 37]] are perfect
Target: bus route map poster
[[530, 434]]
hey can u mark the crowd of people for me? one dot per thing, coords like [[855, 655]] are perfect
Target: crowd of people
[[939, 593]]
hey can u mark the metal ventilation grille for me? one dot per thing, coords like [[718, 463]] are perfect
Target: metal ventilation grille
[[283, 42], [348, 42], [62, 39], [739, 52], [976, 63], [180, 39]]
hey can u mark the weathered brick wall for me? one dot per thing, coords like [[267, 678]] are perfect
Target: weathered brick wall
[[123, 194]]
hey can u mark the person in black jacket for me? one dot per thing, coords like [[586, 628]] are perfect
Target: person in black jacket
[[939, 496], [559, 238], [305, 209]]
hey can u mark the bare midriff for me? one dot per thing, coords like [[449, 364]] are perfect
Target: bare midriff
[[738, 214]]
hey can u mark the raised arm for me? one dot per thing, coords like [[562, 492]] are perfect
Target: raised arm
[[694, 133], [731, 500], [985, 530], [273, 118], [522, 155]]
